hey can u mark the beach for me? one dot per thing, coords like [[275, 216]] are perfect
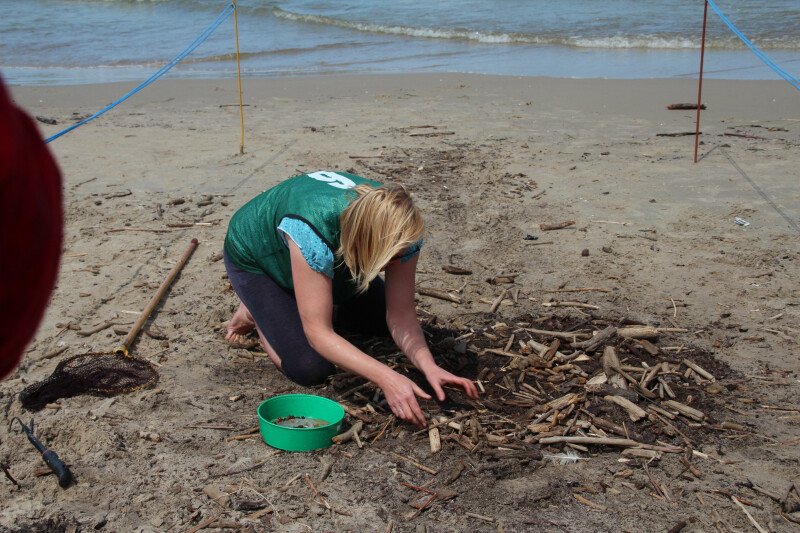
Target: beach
[[488, 159]]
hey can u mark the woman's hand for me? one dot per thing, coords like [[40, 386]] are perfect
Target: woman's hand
[[437, 377], [401, 395]]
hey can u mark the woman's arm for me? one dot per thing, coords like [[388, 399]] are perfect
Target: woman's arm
[[315, 304], [401, 317]]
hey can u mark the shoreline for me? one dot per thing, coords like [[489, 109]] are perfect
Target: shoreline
[[335, 82], [549, 61], [750, 100]]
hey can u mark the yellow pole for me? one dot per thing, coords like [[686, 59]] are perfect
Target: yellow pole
[[238, 75]]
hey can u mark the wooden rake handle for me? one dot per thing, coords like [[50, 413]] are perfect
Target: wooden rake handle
[[156, 298]]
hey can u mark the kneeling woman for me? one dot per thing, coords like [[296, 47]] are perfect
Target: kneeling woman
[[311, 248]]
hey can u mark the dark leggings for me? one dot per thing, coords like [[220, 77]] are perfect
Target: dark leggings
[[274, 310]]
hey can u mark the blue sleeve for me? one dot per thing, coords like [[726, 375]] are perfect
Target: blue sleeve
[[316, 253], [411, 251]]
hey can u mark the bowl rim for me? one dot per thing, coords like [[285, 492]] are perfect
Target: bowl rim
[[315, 396]]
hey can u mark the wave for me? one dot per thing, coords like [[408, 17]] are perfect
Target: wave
[[131, 1], [231, 56], [194, 59], [644, 41]]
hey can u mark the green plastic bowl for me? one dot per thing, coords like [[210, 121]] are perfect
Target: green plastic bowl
[[298, 406]]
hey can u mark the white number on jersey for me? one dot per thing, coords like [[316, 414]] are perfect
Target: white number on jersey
[[333, 179]]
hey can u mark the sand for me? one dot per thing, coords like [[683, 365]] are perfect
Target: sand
[[503, 155]]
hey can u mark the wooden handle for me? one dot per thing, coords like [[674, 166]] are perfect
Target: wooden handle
[[154, 302]]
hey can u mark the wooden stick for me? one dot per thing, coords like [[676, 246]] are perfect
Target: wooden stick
[[790, 518], [572, 337], [479, 516], [749, 516], [349, 434], [589, 503], [126, 344], [444, 422], [647, 332], [10, 477], [317, 494], [438, 293], [580, 289], [640, 453], [552, 350], [559, 225], [225, 524], [777, 498], [204, 524], [432, 134], [220, 497], [662, 412], [635, 412], [355, 413], [650, 375], [684, 107], [498, 351], [424, 506], [458, 271], [649, 347], [96, 329], [250, 433], [639, 389], [543, 348], [610, 361], [593, 343], [605, 424], [745, 135], [609, 222], [496, 303], [656, 485], [383, 429], [677, 134], [685, 410], [117, 230], [288, 484], [414, 462], [697, 368], [666, 386], [416, 488], [435, 440], [608, 441], [581, 305], [54, 353]]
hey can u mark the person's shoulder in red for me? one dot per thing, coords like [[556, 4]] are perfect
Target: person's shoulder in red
[[31, 230]]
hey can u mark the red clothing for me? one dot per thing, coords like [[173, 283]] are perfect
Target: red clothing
[[31, 230]]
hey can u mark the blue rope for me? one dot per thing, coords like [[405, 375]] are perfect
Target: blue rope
[[761, 55], [160, 72]]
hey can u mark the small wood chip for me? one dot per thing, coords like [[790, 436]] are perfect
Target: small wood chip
[[559, 225], [589, 503]]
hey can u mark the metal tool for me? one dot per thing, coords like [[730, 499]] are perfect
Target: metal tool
[[59, 468]]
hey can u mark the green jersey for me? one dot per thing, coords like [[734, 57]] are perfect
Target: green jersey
[[254, 244]]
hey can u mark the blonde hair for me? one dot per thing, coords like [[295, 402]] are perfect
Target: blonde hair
[[375, 227]]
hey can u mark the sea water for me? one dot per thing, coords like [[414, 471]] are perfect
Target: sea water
[[88, 41]]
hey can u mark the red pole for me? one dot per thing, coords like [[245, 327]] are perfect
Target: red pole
[[700, 84]]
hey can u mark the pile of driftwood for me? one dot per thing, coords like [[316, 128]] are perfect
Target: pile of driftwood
[[590, 389]]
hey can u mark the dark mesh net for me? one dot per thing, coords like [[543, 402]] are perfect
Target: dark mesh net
[[106, 374]]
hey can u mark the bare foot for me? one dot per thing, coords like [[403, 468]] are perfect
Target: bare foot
[[239, 326]]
